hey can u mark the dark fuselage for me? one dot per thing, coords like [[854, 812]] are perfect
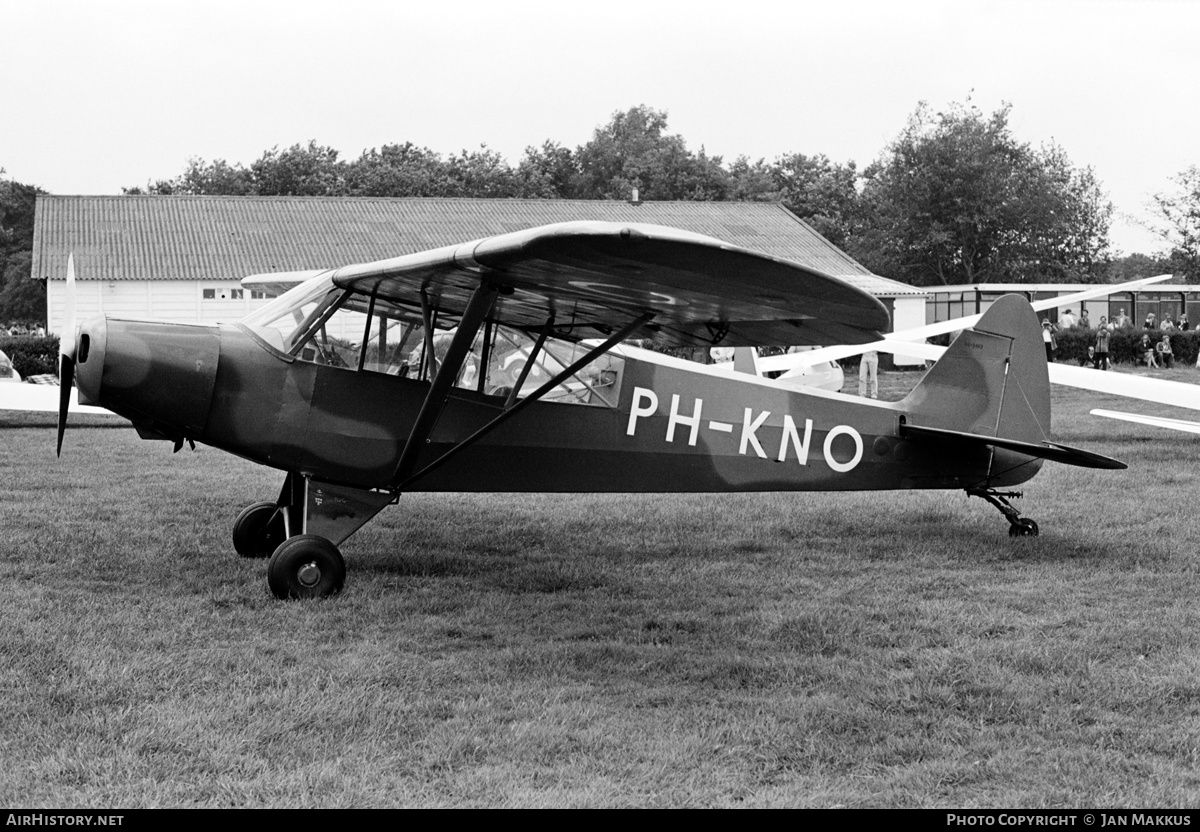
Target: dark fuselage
[[672, 426]]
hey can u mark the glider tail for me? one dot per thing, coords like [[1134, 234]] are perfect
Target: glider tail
[[992, 388]]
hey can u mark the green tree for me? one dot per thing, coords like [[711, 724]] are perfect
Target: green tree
[[634, 151], [1133, 266], [21, 298], [1179, 208], [399, 170], [820, 192], [310, 170], [957, 199], [203, 178], [550, 171], [752, 182], [483, 173]]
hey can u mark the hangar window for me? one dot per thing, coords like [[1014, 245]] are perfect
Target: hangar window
[[223, 293]]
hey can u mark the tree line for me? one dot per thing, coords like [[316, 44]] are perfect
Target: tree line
[[955, 198]]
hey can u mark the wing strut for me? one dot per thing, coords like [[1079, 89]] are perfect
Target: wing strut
[[401, 482], [537, 348], [431, 366], [439, 391]]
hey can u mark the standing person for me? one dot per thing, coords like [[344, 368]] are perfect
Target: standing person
[[1084, 321], [1183, 322], [1048, 339], [868, 375], [1067, 320], [1121, 319], [1151, 323], [1102, 338]]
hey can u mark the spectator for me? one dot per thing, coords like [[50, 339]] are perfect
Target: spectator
[[1146, 347], [868, 375], [1183, 322], [1048, 339], [1166, 356], [1084, 321], [1100, 361], [1067, 320], [1151, 323], [1121, 320]]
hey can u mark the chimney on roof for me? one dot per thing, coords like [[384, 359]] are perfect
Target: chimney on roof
[[634, 199]]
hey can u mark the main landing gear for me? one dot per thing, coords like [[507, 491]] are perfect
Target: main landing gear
[[1018, 526], [300, 533], [258, 530], [306, 566], [303, 566]]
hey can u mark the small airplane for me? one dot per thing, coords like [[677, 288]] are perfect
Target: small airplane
[[498, 365]]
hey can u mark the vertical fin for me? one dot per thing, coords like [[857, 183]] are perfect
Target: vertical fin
[[992, 381]]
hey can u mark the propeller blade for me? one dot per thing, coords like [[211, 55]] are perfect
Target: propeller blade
[[66, 354], [66, 378]]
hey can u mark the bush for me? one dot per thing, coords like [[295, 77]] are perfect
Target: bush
[[31, 355]]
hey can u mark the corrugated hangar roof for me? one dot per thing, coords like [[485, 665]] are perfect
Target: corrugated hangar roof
[[230, 237]]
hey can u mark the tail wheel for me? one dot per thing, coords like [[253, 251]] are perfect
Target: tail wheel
[[306, 566], [1024, 527], [258, 530]]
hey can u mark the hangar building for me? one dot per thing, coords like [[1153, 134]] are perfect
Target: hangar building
[[181, 257]]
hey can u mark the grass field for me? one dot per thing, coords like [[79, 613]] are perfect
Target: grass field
[[806, 650]]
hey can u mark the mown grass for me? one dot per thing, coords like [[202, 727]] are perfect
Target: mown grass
[[603, 650]]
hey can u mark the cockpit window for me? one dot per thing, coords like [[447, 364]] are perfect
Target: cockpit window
[[325, 324], [281, 321]]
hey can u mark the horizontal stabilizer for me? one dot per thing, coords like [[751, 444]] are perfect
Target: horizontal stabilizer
[[1040, 450]]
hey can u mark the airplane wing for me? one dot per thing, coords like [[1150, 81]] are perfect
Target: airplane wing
[[273, 284], [1160, 391], [891, 343], [598, 276], [42, 398], [1157, 421]]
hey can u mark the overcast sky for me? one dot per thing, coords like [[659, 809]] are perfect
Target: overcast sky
[[109, 93]]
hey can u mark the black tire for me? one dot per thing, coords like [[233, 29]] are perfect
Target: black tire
[[258, 530], [306, 566], [1025, 528]]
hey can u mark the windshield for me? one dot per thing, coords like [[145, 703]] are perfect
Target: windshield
[[281, 321]]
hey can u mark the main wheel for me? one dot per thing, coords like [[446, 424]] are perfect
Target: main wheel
[[306, 566], [258, 530], [1025, 527]]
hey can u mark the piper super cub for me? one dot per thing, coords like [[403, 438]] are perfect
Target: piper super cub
[[498, 365]]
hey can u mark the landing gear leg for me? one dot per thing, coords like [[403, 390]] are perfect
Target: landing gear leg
[[1018, 526], [312, 518]]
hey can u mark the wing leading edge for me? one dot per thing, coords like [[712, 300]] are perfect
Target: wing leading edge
[[598, 276]]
